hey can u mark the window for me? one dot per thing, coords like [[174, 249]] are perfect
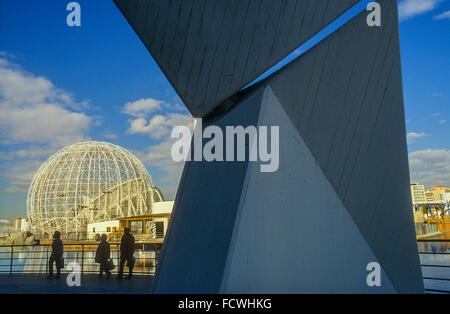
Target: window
[[108, 229], [159, 229], [136, 227]]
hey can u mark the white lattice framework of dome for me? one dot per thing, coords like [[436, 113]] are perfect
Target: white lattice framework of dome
[[88, 182]]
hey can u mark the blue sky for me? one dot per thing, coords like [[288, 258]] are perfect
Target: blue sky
[[60, 85]]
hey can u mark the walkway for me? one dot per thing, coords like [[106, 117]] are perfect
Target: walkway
[[89, 284]]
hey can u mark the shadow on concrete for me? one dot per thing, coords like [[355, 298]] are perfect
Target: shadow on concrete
[[90, 284]]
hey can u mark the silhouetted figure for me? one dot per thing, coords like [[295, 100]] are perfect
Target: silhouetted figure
[[56, 256], [102, 255], [126, 253]]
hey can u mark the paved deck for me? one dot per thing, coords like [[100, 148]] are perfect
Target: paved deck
[[89, 284]]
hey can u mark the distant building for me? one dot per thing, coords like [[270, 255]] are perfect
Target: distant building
[[5, 226], [445, 197], [435, 193], [161, 215], [417, 193], [21, 224], [103, 227], [17, 223], [430, 196], [25, 225]]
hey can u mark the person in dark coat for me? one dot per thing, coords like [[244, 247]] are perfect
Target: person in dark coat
[[102, 255], [56, 256], [126, 253]]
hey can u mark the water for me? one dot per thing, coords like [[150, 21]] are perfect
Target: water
[[436, 259]]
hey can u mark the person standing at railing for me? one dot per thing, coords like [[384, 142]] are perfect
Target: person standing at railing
[[126, 253], [56, 256], [102, 256]]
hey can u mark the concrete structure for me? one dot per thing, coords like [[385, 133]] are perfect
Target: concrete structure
[[209, 50], [337, 202], [418, 193]]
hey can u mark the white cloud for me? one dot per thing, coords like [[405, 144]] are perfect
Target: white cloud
[[159, 126], [36, 119], [142, 107], [444, 15], [32, 110], [430, 167], [21, 172], [413, 136], [442, 121], [110, 136], [18, 87], [30, 152], [410, 8], [44, 123], [159, 156]]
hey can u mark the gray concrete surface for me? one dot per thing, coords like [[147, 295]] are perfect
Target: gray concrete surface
[[90, 284], [340, 199], [292, 233], [209, 50], [345, 99], [204, 213]]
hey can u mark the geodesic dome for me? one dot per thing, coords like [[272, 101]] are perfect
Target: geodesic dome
[[84, 183]]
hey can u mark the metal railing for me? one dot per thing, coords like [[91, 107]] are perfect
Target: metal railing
[[436, 267], [33, 259], [94, 237]]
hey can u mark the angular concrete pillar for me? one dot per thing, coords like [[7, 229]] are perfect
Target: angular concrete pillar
[[340, 198]]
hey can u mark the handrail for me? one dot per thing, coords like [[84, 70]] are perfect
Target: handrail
[[11, 263], [73, 243], [433, 240], [149, 263], [87, 257]]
